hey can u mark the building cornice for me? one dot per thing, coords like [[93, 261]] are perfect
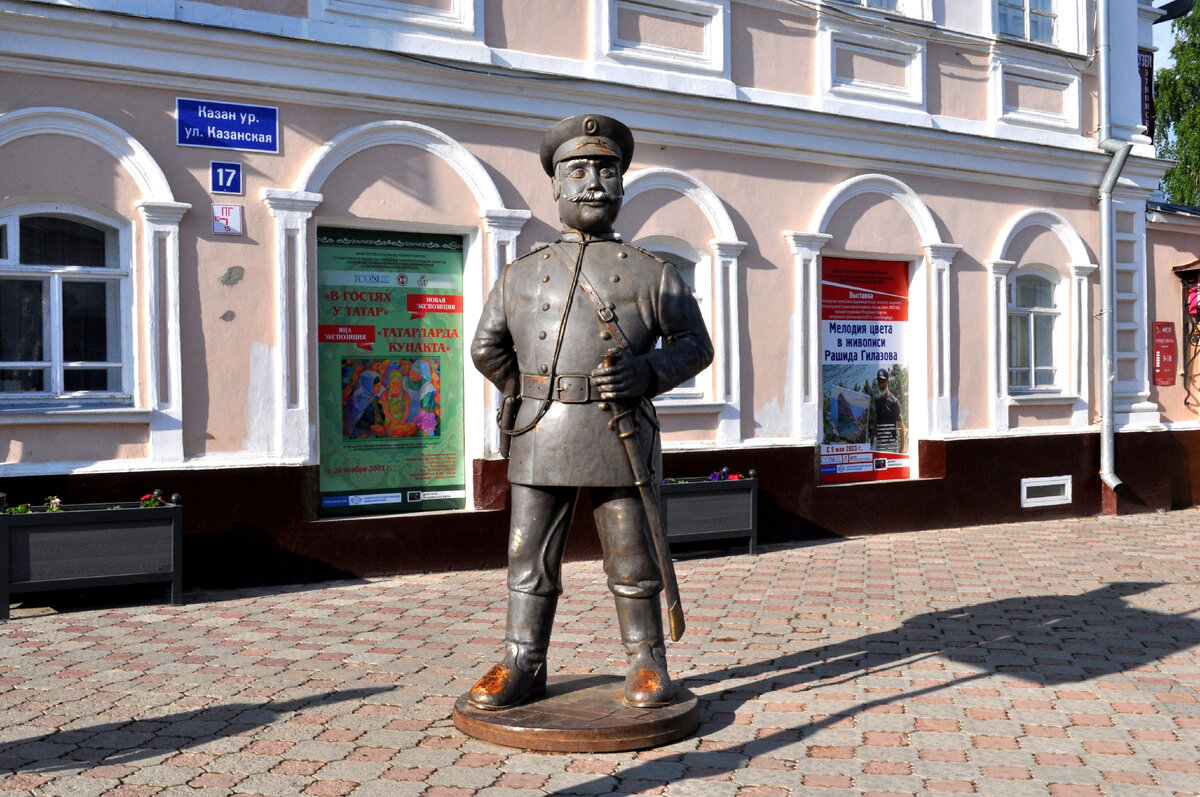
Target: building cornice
[[117, 49]]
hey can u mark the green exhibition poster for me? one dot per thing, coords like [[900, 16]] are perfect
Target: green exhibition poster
[[390, 371]]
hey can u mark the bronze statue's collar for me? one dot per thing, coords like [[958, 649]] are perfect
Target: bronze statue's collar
[[574, 236]]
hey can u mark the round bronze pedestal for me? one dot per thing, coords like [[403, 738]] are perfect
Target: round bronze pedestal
[[581, 714]]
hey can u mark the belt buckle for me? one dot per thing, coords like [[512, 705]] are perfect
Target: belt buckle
[[571, 389]]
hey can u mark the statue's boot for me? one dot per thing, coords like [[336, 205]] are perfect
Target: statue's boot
[[522, 673], [647, 684]]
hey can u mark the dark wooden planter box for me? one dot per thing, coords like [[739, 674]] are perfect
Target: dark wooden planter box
[[90, 545], [700, 509]]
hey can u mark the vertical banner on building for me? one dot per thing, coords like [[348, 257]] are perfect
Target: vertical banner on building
[[1146, 76], [390, 371], [1164, 353], [864, 370]]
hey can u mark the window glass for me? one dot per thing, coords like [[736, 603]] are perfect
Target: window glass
[[21, 320], [1031, 321], [61, 311], [51, 241], [1033, 292], [887, 5], [1027, 19]]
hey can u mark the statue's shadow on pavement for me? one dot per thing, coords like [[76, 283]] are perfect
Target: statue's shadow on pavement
[[1047, 640], [129, 741]]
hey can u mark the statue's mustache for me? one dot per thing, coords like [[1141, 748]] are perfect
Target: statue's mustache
[[592, 196]]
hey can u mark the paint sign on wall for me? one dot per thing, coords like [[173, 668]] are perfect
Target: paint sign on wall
[[390, 372], [864, 370]]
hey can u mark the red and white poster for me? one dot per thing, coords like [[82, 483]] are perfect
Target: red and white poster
[[864, 370], [1164, 353]]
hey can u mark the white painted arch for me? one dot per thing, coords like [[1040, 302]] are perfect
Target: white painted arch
[[883, 185], [488, 248], [128, 151], [1046, 219], [929, 310], [155, 267], [680, 182], [723, 280], [333, 153]]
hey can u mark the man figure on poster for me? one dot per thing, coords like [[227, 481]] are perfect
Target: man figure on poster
[[887, 421], [549, 322]]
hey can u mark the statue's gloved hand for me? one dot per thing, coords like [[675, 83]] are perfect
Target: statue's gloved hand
[[631, 378]]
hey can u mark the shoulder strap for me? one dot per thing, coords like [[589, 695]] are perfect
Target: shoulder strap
[[604, 311]]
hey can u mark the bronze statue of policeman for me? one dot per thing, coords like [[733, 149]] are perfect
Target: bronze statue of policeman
[[571, 331]]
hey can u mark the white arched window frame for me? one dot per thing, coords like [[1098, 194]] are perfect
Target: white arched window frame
[[155, 348], [1072, 297], [722, 279], [929, 310], [54, 281], [696, 269], [486, 250]]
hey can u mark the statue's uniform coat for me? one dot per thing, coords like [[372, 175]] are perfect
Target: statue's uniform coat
[[572, 444]]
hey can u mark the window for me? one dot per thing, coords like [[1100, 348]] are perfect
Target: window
[[1032, 316], [1033, 20], [63, 298], [889, 5], [685, 263]]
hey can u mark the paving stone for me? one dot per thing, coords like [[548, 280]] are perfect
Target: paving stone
[[895, 663]]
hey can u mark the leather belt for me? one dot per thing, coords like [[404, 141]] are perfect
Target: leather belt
[[566, 388]]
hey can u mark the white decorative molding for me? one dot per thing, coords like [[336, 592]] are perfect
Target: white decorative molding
[[804, 366], [1071, 331], [837, 38], [293, 433], [998, 341], [292, 208], [710, 16], [156, 274], [725, 281], [1049, 75], [929, 309], [459, 17], [939, 256]]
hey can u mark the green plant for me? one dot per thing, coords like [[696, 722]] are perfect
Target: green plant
[[19, 509], [152, 499], [53, 503]]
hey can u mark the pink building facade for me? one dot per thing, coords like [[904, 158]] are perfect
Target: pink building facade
[[243, 244]]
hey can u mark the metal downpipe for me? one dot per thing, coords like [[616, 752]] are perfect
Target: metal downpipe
[[1120, 151], [1108, 315]]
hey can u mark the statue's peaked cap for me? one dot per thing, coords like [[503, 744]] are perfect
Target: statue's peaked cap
[[587, 135]]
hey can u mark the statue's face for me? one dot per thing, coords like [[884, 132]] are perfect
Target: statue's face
[[589, 193]]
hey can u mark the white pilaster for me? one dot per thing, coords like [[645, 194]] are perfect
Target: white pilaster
[[293, 432], [998, 341], [727, 320], [164, 368], [804, 362], [1079, 383], [940, 256]]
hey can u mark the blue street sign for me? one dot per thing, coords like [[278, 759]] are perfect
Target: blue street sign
[[224, 178], [226, 125]]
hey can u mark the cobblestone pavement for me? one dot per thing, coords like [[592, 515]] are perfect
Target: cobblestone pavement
[[1057, 658]]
